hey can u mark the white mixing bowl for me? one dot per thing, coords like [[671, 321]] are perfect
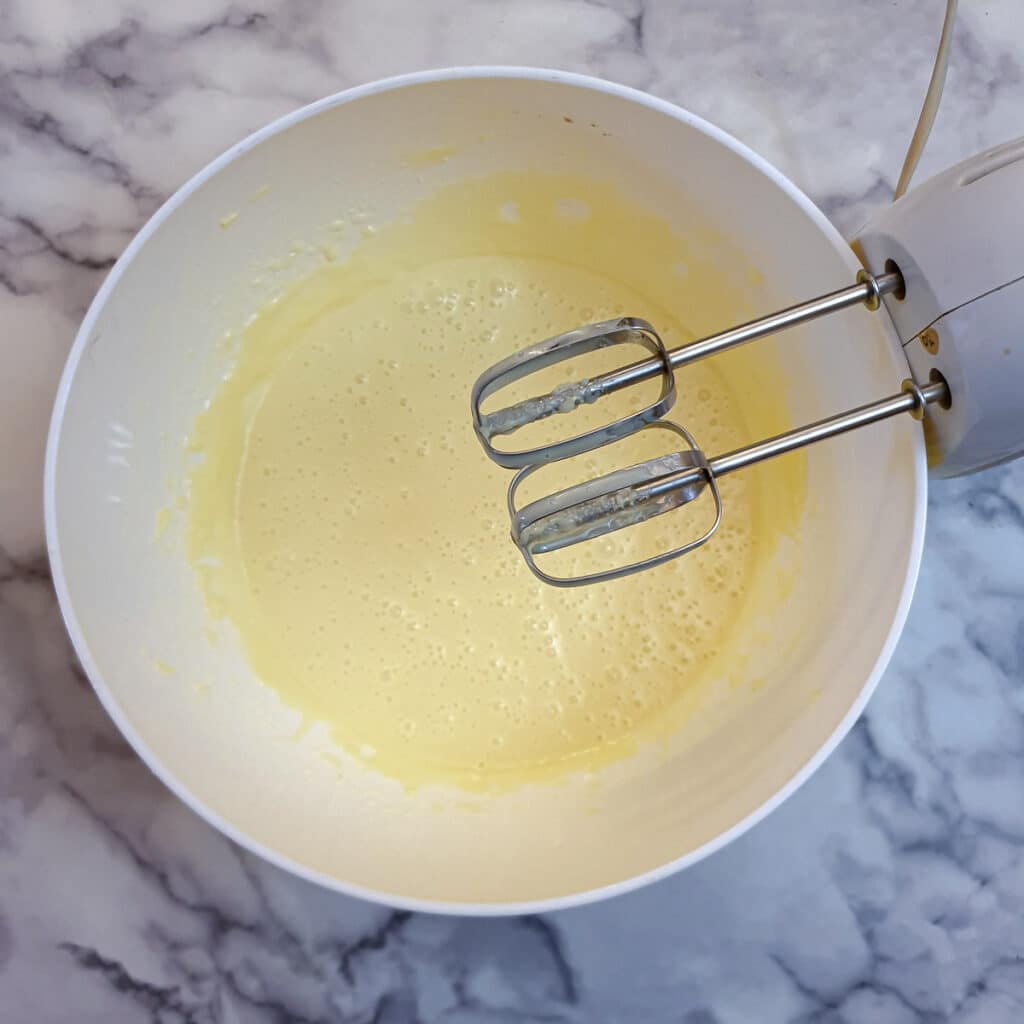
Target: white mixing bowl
[[147, 357]]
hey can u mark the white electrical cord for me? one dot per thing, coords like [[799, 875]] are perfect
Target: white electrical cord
[[931, 102]]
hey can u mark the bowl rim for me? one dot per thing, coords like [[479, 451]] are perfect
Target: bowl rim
[[191, 799]]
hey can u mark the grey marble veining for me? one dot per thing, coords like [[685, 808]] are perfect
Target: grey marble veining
[[889, 890]]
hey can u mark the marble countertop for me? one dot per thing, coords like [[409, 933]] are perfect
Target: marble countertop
[[889, 890]]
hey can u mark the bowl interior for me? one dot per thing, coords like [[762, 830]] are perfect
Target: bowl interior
[[150, 353]]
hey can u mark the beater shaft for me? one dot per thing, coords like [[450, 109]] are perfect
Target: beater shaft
[[911, 399], [867, 290]]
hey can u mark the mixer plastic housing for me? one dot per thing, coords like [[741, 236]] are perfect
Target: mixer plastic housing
[[958, 240]]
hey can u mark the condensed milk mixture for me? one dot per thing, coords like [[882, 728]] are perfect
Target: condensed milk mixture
[[344, 521]]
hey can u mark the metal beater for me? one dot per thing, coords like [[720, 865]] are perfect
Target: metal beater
[[637, 493]]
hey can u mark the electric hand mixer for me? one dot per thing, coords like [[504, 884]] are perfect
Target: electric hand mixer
[[946, 262]]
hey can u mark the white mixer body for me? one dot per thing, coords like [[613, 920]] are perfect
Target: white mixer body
[[958, 241]]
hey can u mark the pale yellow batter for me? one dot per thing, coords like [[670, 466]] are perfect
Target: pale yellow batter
[[346, 522]]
